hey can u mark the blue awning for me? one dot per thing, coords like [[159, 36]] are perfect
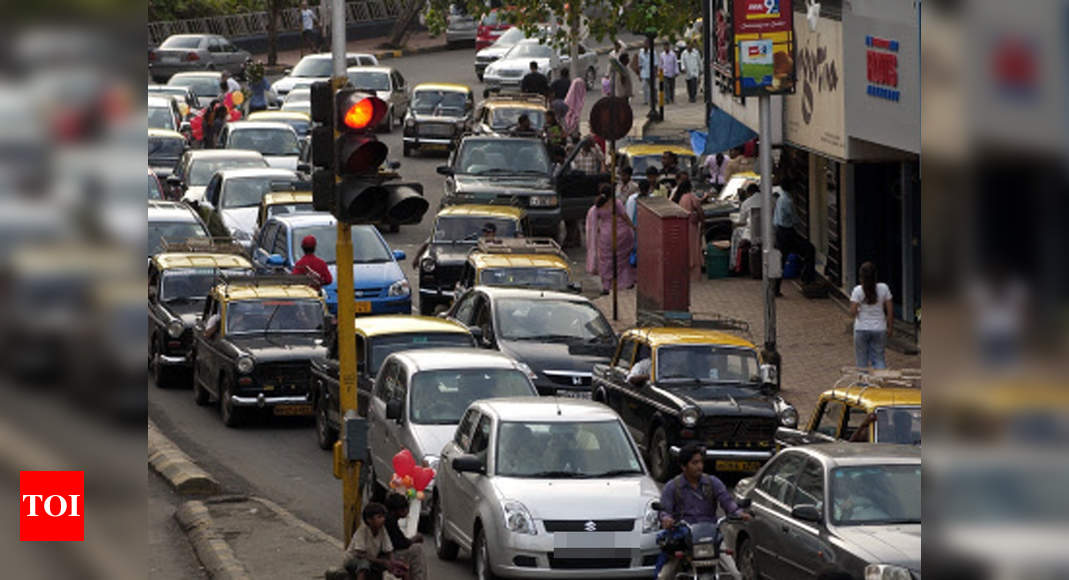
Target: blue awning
[[724, 133]]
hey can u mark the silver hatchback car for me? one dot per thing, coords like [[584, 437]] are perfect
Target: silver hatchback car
[[546, 488]]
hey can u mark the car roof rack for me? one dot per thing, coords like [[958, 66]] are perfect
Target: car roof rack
[[231, 279], [708, 321], [877, 378], [520, 246], [215, 245]]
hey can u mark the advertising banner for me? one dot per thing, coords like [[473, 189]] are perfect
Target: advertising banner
[[763, 47]]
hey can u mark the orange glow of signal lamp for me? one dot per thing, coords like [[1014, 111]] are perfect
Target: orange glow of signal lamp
[[360, 115]]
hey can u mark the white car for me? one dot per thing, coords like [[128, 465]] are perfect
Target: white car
[[507, 72], [197, 166], [164, 113], [233, 197], [387, 84], [316, 67], [541, 487], [276, 141], [507, 40]]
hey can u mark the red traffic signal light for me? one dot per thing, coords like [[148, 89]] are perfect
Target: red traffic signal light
[[358, 111]]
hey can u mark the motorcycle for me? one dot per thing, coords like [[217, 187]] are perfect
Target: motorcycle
[[697, 547]]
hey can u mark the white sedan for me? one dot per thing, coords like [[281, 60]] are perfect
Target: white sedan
[[317, 67], [507, 72]]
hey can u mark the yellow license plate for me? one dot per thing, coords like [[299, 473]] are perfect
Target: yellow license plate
[[727, 465], [290, 410], [362, 307]]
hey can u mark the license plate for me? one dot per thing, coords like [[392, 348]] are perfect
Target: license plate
[[574, 394], [169, 60], [362, 307], [727, 465], [289, 410]]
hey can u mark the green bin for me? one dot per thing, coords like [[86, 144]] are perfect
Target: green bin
[[716, 262]]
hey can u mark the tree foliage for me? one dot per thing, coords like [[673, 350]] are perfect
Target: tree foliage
[[183, 9]]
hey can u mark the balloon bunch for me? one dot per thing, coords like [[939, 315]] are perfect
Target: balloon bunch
[[408, 478]]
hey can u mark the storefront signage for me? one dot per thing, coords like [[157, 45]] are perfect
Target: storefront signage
[[881, 59], [814, 117], [763, 47]]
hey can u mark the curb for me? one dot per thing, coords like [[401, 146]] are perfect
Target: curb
[[166, 459], [208, 543]]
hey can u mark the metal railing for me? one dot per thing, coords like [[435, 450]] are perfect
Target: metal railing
[[255, 23]]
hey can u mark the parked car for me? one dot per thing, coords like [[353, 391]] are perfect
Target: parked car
[[277, 142], [497, 114], [186, 52], [560, 336], [460, 26], [232, 200], [885, 406], [178, 284], [539, 488], [237, 358], [491, 27], [163, 113], [387, 84], [418, 400], [504, 170], [456, 231], [380, 286], [517, 263], [497, 49], [172, 221], [282, 203], [835, 510], [165, 148], [506, 73], [317, 67], [377, 337], [196, 167], [439, 114], [703, 385]]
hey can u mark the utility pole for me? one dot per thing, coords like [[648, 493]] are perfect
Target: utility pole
[[707, 55], [770, 254]]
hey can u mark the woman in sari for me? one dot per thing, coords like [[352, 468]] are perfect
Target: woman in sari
[[599, 248], [690, 203], [574, 99]]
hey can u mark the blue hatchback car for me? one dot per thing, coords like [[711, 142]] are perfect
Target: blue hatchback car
[[380, 285]]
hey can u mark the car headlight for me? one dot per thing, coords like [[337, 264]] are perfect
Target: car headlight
[[689, 416], [410, 122], [887, 572], [175, 328], [704, 551], [427, 264], [527, 371], [651, 519], [543, 201], [398, 288], [517, 518], [245, 364], [788, 417]]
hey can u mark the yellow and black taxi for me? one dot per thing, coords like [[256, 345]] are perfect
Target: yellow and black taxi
[[500, 113], [438, 114], [517, 263], [299, 120], [641, 156], [376, 338], [254, 343], [179, 281], [282, 202], [675, 385], [882, 406], [457, 229]]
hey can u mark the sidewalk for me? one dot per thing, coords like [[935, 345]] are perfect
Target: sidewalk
[[679, 118]]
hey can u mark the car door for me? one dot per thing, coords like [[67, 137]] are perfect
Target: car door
[[234, 57], [804, 542], [467, 489], [830, 420], [383, 391], [215, 51], [775, 489], [205, 348], [616, 389], [399, 94], [635, 401], [484, 321], [447, 479], [264, 242], [394, 429]]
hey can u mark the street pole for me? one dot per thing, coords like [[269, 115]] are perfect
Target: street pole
[[652, 78], [707, 54], [612, 200], [770, 254]]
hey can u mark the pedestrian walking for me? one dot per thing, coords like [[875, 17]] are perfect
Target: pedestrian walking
[[259, 88], [599, 247], [692, 66], [632, 201], [534, 81], [783, 221], [575, 99], [309, 31], [670, 67], [645, 57], [311, 265], [684, 197], [561, 84], [622, 84], [557, 105], [405, 549], [873, 311]]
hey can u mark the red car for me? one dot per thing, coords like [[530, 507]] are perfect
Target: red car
[[490, 27]]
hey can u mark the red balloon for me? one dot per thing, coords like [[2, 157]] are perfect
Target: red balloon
[[403, 463], [422, 478]]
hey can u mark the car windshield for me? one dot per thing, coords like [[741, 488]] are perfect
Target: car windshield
[[368, 248], [898, 425], [203, 86], [558, 450], [384, 346], [181, 42], [191, 284], [172, 231], [154, 188], [529, 50], [876, 495], [313, 66], [249, 191], [166, 90], [505, 117], [369, 80], [165, 149], [274, 315], [548, 278], [428, 101], [441, 397], [707, 363], [201, 170], [502, 156], [285, 208], [469, 228], [639, 163], [266, 141], [161, 118], [301, 94], [551, 320], [302, 127], [509, 37]]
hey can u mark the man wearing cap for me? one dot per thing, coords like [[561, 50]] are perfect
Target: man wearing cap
[[310, 265]]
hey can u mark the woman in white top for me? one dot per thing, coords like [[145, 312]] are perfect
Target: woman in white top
[[873, 312]]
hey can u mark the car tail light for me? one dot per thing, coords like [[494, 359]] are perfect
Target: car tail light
[[192, 56], [151, 55]]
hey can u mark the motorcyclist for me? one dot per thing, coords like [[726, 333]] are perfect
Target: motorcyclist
[[692, 496]]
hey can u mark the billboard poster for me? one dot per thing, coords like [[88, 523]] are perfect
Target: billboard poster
[[763, 46]]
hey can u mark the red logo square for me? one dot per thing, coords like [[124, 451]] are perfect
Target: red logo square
[[51, 506]]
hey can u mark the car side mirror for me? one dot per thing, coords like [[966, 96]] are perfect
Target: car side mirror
[[394, 409], [657, 506], [304, 168], [399, 254], [468, 464], [445, 170], [806, 513]]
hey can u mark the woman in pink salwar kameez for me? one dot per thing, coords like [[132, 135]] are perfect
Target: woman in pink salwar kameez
[[599, 254]]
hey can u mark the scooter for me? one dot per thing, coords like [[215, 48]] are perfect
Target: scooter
[[697, 547]]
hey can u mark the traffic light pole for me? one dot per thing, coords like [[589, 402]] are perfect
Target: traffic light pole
[[771, 256]]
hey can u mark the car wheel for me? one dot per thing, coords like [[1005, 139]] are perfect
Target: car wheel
[[599, 396], [444, 547], [388, 125], [480, 76], [590, 78], [747, 560], [481, 557], [659, 459], [230, 414], [325, 434], [406, 150], [158, 376]]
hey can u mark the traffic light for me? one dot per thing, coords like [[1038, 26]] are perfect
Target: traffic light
[[322, 102]]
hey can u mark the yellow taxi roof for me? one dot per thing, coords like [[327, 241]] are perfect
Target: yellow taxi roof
[[747, 175], [237, 291], [157, 133], [280, 197], [277, 115], [442, 87], [405, 324], [871, 397], [655, 149], [499, 211], [200, 260], [481, 260], [516, 105], [668, 335]]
